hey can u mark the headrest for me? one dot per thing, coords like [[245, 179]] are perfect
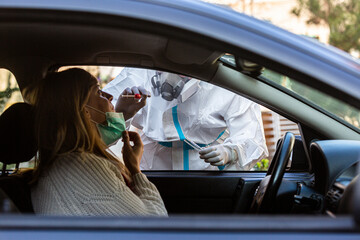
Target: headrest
[[17, 135]]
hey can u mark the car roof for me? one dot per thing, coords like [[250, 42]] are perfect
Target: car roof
[[204, 25]]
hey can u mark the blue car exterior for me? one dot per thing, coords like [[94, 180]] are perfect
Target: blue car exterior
[[321, 64]]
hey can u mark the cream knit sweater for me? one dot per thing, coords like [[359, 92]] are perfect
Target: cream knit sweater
[[85, 184]]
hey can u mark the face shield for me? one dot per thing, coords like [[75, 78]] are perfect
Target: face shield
[[168, 85]]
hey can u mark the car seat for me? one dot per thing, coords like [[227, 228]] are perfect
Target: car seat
[[17, 144]]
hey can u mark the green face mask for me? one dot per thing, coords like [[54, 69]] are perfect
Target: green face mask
[[111, 132]]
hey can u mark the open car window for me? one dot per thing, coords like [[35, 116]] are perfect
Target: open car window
[[185, 116]]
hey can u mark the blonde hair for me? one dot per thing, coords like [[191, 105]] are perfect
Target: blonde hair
[[62, 125]]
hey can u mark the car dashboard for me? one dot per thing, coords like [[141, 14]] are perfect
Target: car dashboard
[[335, 166]]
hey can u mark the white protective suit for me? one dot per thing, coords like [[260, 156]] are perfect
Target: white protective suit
[[203, 113]]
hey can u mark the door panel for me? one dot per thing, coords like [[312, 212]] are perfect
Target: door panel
[[210, 192]]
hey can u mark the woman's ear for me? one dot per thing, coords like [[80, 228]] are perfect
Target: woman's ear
[[87, 113]]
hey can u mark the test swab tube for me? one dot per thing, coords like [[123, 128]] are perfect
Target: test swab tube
[[193, 144], [136, 96]]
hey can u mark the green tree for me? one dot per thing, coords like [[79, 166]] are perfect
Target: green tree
[[341, 16], [262, 165]]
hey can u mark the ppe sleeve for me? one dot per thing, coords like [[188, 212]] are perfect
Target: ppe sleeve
[[243, 119], [128, 77]]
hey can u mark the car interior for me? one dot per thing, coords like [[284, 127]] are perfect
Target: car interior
[[324, 156]]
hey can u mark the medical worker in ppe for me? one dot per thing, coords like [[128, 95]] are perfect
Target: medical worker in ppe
[[188, 124]]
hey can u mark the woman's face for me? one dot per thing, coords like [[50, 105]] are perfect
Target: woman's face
[[101, 101]]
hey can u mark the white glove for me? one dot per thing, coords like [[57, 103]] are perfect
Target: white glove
[[130, 106], [219, 155]]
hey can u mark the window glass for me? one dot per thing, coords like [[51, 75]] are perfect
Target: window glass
[[9, 94], [9, 90], [332, 105]]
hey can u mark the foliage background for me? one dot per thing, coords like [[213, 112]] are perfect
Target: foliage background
[[342, 17]]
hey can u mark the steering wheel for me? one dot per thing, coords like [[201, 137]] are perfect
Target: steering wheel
[[265, 195]]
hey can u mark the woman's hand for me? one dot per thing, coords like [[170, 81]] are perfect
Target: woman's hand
[[130, 106], [132, 154]]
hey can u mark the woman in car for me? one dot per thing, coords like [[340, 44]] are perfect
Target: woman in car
[[76, 175]]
